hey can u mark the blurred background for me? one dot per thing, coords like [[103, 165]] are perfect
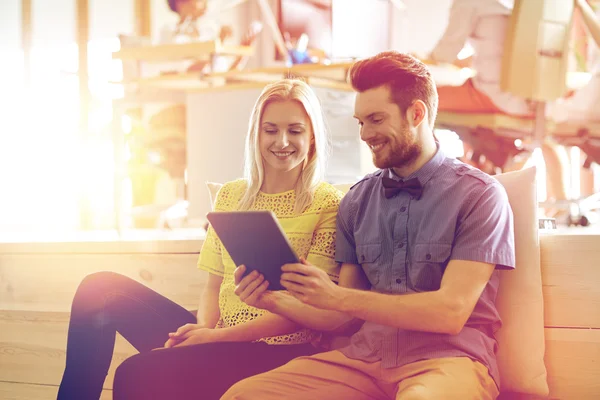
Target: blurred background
[[75, 160]]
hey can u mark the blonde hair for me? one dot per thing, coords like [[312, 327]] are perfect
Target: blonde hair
[[313, 170]]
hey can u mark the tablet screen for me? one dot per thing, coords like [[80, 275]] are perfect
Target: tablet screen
[[256, 240]]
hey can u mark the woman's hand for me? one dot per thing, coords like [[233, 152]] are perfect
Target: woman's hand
[[199, 336], [252, 289], [183, 333]]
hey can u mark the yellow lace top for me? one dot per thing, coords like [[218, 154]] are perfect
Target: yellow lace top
[[311, 234]]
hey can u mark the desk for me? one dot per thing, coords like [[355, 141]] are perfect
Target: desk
[[180, 51]]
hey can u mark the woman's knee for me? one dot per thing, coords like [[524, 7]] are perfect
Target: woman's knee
[[92, 291]]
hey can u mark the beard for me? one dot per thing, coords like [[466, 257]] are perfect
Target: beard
[[398, 155]]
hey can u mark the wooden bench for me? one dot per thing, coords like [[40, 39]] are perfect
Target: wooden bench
[[38, 281]]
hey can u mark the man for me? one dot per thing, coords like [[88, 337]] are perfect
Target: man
[[429, 232], [483, 24]]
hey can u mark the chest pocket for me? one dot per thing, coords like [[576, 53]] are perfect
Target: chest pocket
[[368, 256], [428, 265]]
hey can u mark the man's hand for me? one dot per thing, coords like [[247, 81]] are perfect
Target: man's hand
[[252, 289], [311, 285]]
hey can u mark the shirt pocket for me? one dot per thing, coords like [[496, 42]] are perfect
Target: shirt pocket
[[428, 265], [368, 256]]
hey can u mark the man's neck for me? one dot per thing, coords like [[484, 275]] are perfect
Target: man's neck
[[428, 151]]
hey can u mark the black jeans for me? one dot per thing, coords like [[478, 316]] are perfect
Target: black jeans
[[106, 303]]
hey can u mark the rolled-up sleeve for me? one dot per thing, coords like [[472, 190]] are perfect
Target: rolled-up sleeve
[[486, 232], [345, 246]]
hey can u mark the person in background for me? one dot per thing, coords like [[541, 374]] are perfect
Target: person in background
[[202, 355], [484, 24], [199, 21]]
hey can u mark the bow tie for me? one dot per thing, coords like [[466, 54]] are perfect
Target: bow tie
[[412, 186]]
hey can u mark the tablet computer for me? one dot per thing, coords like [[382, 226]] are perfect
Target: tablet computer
[[256, 240]]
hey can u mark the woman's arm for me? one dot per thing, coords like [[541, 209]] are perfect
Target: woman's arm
[[264, 326], [208, 309]]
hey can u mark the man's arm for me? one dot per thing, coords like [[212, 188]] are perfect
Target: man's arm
[[443, 311], [252, 289]]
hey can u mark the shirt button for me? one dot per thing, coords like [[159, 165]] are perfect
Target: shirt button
[[398, 281], [400, 245], [428, 257], [402, 209]]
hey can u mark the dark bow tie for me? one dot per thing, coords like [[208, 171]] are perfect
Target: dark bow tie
[[412, 186]]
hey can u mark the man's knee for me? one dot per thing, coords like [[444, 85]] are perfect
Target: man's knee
[[417, 392]]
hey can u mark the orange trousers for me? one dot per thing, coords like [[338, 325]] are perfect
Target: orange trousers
[[465, 99], [331, 375]]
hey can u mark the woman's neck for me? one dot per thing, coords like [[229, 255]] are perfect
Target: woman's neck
[[280, 181]]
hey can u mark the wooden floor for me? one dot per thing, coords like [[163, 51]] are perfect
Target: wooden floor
[[37, 284], [24, 391]]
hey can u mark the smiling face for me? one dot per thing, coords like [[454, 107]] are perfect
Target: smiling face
[[385, 129], [285, 136]]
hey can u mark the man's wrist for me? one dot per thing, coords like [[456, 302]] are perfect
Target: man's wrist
[[276, 305], [342, 299]]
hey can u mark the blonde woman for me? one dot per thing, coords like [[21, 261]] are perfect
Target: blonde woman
[[227, 341]]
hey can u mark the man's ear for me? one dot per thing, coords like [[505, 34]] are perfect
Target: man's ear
[[417, 113]]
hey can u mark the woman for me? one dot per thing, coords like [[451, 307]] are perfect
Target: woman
[[229, 340]]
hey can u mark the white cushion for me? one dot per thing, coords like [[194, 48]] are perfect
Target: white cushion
[[520, 300]]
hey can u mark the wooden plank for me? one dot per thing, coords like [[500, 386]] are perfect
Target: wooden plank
[[32, 348], [24, 391], [179, 51], [143, 17], [83, 20], [48, 282], [573, 363], [104, 246], [570, 277], [26, 39]]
